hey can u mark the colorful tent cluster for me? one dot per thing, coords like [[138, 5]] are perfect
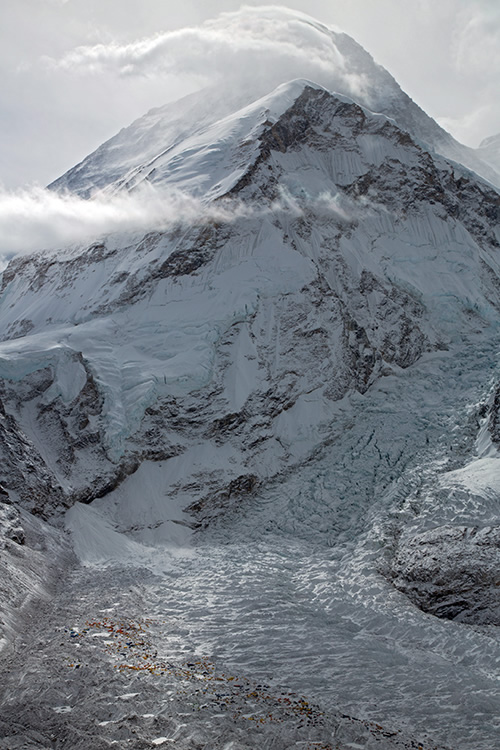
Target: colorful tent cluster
[[199, 680], [203, 687]]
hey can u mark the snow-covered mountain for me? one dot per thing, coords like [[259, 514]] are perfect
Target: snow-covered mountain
[[271, 433], [141, 151], [321, 179]]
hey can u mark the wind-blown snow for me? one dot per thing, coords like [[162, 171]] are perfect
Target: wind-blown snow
[[243, 56]]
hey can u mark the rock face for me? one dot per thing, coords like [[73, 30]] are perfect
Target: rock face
[[452, 572], [25, 473], [10, 519]]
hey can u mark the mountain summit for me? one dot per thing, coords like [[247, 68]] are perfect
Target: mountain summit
[[260, 444], [303, 48]]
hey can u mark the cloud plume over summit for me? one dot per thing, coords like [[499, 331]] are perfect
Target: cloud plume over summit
[[267, 45], [37, 219]]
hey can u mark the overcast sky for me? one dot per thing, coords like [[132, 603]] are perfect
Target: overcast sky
[[444, 53]]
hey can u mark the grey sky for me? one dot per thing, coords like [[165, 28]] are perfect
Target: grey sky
[[444, 53]]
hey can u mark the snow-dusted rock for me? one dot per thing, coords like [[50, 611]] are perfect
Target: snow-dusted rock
[[452, 572]]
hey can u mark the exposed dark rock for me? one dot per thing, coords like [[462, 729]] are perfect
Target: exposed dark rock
[[17, 535], [452, 572], [494, 420], [24, 472], [213, 504], [99, 486], [228, 423], [19, 328]]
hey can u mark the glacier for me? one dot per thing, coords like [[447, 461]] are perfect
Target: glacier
[[249, 474]]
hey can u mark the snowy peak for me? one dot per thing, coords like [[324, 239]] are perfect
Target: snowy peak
[[216, 158], [327, 57], [160, 135], [345, 248], [208, 163], [286, 406]]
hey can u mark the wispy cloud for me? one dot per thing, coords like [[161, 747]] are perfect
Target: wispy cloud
[[463, 127], [38, 219], [324, 205], [267, 44], [475, 55], [35, 218], [476, 48]]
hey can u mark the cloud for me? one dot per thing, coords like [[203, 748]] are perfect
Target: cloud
[[476, 48], [475, 55], [267, 45], [35, 219], [324, 205], [466, 127]]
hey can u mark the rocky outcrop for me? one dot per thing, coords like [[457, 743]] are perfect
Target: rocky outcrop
[[452, 572], [24, 473]]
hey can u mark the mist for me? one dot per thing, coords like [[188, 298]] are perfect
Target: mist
[[36, 219], [260, 47]]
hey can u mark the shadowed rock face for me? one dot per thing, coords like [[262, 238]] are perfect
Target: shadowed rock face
[[494, 417], [452, 573], [24, 472]]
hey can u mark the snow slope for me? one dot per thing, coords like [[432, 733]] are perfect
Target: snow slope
[[338, 63]]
